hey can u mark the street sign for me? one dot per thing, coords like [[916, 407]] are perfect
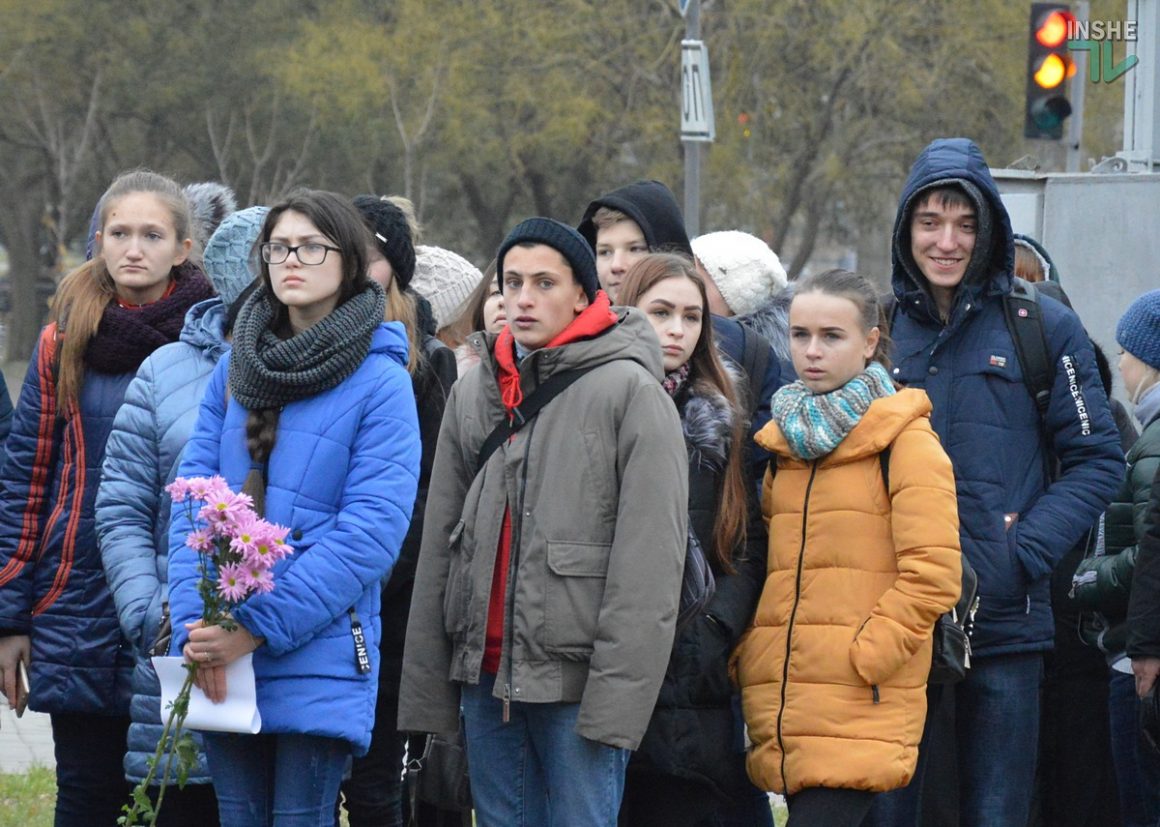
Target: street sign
[[696, 93], [684, 7]]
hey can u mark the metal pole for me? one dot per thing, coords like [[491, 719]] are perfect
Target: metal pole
[[1079, 82], [693, 148], [1142, 89]]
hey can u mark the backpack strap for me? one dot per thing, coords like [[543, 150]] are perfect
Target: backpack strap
[[884, 464], [548, 390], [1025, 322], [755, 362]]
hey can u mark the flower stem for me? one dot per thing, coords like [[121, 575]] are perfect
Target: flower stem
[[169, 735]]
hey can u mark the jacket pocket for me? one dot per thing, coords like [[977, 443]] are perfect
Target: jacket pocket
[[457, 592], [574, 592]]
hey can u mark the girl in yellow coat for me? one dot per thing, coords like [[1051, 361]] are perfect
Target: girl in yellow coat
[[833, 671]]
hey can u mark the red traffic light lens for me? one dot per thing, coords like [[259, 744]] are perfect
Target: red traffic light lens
[[1053, 31]]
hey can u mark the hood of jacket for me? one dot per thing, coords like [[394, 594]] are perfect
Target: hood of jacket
[[949, 161], [771, 320], [1040, 252], [632, 337], [883, 421], [204, 328], [391, 338], [653, 207], [707, 421]]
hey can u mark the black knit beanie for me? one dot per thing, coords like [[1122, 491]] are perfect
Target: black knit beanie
[[392, 234], [560, 237]]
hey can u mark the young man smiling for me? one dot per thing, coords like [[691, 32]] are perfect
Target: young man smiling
[[536, 606], [953, 258]]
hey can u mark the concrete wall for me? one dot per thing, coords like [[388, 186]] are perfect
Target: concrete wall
[[1103, 232]]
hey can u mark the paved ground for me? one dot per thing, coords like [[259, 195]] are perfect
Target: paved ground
[[24, 742]]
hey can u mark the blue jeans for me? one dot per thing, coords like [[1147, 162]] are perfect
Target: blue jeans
[[997, 728], [535, 771], [276, 780], [1137, 765]]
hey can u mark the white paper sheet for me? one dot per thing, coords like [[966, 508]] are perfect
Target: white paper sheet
[[237, 713]]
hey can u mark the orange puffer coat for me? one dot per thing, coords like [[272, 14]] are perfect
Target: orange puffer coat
[[833, 671]]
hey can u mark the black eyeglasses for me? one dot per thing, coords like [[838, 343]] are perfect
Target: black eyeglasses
[[310, 254]]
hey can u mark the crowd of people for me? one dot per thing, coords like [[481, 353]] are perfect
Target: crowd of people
[[650, 528]]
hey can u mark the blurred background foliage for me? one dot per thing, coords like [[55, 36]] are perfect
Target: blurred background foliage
[[483, 113]]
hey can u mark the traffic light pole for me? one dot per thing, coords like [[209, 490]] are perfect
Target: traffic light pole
[[1079, 82], [693, 148]]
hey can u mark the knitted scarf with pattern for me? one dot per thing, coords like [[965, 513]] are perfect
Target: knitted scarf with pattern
[[815, 424], [267, 371]]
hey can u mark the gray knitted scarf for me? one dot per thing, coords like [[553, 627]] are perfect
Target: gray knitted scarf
[[267, 371]]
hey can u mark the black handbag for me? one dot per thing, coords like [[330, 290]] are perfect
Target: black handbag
[[951, 655], [697, 583], [439, 776]]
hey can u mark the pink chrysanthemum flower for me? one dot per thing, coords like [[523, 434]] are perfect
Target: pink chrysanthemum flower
[[233, 582], [200, 540], [258, 579], [243, 534], [178, 490], [278, 545], [207, 488]]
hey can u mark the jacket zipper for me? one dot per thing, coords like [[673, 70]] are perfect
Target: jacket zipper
[[517, 515], [797, 595]]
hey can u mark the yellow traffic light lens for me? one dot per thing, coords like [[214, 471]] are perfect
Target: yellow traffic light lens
[[1052, 32], [1051, 72]]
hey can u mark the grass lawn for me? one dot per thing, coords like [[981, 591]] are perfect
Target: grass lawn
[[27, 800]]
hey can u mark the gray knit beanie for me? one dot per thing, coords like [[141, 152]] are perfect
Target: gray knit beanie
[[230, 260], [445, 279], [742, 266]]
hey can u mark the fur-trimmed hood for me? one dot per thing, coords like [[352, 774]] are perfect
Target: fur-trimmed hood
[[771, 320], [707, 421]]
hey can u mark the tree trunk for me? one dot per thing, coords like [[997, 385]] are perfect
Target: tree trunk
[[28, 282]]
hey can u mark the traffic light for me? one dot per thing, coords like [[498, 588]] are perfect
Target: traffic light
[[1048, 68]]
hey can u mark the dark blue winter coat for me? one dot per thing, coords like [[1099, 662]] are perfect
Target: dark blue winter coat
[[133, 510], [988, 422], [52, 583], [342, 476]]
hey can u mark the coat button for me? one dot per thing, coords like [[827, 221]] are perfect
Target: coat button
[[932, 370], [296, 534]]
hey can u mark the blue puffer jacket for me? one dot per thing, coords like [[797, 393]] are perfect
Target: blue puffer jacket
[[52, 583], [133, 510], [987, 420], [343, 477]]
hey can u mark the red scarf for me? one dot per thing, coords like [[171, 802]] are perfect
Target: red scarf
[[592, 321]]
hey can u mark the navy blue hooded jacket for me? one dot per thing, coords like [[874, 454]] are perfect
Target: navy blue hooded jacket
[[987, 420]]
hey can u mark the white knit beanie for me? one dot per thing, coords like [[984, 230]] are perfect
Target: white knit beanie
[[445, 279], [742, 266]]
